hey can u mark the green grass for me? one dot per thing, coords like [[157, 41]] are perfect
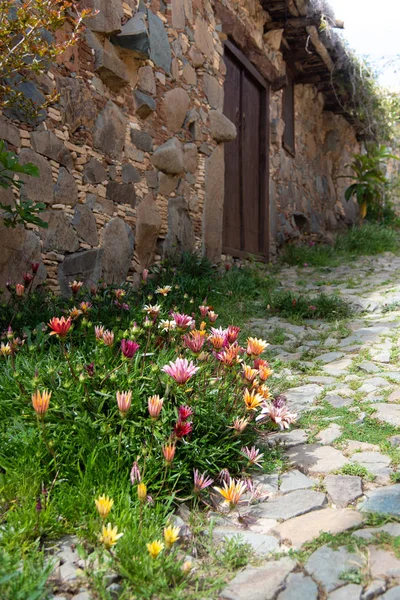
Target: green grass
[[298, 306], [369, 240]]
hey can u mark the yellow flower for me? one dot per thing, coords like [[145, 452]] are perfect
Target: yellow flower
[[142, 492], [232, 492], [5, 349], [109, 536], [40, 402], [249, 373], [255, 346], [155, 548], [164, 291], [171, 535], [252, 400], [104, 505]]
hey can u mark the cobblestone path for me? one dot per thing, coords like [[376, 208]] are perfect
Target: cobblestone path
[[344, 456]]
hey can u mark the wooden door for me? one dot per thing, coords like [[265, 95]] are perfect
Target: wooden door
[[246, 93]]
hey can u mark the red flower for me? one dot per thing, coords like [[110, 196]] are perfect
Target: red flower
[[60, 327], [233, 332], [35, 267], [182, 428], [27, 277], [184, 413]]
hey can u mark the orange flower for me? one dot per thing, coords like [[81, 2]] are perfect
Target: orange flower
[[249, 373], [264, 373], [124, 400], [155, 404], [75, 286], [40, 402], [60, 327], [169, 452], [255, 346], [75, 312], [263, 390], [252, 400], [20, 289]]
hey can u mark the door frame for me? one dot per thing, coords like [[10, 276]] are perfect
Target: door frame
[[264, 158]]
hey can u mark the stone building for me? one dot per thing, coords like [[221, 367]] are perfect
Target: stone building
[[199, 124]]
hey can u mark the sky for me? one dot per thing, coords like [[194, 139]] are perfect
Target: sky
[[372, 28]]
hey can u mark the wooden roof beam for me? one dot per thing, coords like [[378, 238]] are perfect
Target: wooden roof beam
[[298, 23], [320, 48]]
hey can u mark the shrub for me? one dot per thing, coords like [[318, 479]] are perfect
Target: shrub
[[287, 303]]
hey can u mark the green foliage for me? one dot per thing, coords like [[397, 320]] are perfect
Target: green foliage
[[370, 182], [287, 303], [358, 470], [24, 211], [26, 581]]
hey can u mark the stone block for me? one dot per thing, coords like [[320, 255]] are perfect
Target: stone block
[[109, 131], [222, 129], [189, 74], [48, 144], [148, 227], [130, 174], [213, 91], [190, 157], [111, 69], [134, 36], [196, 57], [175, 106], [85, 266], [9, 132], [213, 205], [167, 183], [121, 193], [76, 101], [144, 104], [343, 489], [203, 38], [65, 190], [146, 80], [141, 140], [169, 157], [107, 15], [160, 51], [30, 92], [118, 244], [37, 189], [180, 237], [152, 179], [18, 249], [60, 236], [94, 172], [84, 223], [178, 14]]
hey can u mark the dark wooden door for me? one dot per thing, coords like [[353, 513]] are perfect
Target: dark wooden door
[[245, 225]]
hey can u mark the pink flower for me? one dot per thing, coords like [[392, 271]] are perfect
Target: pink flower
[[98, 331], [145, 274], [281, 416], [108, 337], [194, 341], [279, 401], [218, 338], [19, 289], [253, 455], [124, 400], [204, 310], [185, 412], [154, 405], [182, 428], [312, 307], [182, 321], [119, 294], [135, 474], [181, 370], [233, 332], [212, 316], [201, 481], [129, 348]]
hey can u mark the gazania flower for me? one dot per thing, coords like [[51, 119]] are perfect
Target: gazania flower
[[255, 346], [260, 362], [182, 321], [252, 400], [194, 341], [164, 291], [40, 402], [265, 372], [155, 404], [155, 548], [168, 451], [182, 428], [129, 348], [171, 535], [239, 424], [108, 337], [75, 286], [224, 475], [124, 400], [232, 492], [85, 307], [60, 327], [119, 294], [281, 416], [230, 355], [218, 338], [89, 369], [279, 401], [20, 289], [167, 325], [249, 373], [181, 370], [185, 412], [109, 536], [28, 278], [264, 391], [233, 333], [142, 492], [187, 567], [153, 310], [99, 331], [145, 274], [212, 316], [35, 267], [135, 473], [104, 505], [204, 310], [5, 349], [74, 313], [253, 455], [201, 481]]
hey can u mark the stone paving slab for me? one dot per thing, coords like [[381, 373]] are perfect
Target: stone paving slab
[[384, 500], [291, 505], [327, 566], [259, 583], [314, 459]]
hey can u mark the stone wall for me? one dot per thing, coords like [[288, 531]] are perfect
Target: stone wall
[[131, 157]]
